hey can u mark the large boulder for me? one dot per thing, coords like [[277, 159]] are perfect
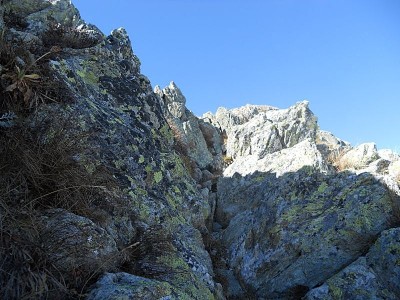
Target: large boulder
[[285, 235], [373, 276], [359, 157], [76, 245], [128, 286]]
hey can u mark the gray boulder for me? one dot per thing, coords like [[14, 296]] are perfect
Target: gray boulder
[[373, 276], [128, 286], [357, 281], [285, 235], [74, 244], [384, 257]]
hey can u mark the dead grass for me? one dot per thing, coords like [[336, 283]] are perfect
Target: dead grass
[[397, 178], [337, 160], [38, 171]]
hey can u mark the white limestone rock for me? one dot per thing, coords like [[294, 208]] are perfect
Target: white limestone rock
[[287, 160], [260, 130], [388, 154]]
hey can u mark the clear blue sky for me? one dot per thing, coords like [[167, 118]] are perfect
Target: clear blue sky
[[341, 55]]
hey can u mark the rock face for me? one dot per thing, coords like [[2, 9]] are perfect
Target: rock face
[[373, 276], [285, 235], [291, 217], [198, 140], [260, 130], [113, 190], [145, 218]]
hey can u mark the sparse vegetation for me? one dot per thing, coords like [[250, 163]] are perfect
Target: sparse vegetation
[[24, 78], [38, 172], [337, 161], [182, 147], [227, 160]]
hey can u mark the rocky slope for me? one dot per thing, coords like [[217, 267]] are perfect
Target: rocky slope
[[110, 190], [122, 202]]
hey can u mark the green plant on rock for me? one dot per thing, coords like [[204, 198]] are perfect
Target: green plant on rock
[[227, 160], [23, 79], [22, 82]]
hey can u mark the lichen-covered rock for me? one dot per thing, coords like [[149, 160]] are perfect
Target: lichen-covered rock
[[285, 222], [124, 134], [50, 22], [188, 129], [74, 244], [128, 286], [373, 276], [384, 259], [285, 235], [356, 281]]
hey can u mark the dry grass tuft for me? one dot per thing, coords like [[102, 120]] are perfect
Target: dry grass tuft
[[228, 160], [39, 171], [180, 143], [336, 159]]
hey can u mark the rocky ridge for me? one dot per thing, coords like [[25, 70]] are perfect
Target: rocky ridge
[[132, 196]]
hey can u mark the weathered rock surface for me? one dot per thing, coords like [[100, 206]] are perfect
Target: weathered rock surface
[[260, 130], [127, 286], [285, 235], [280, 162], [124, 134], [289, 220], [200, 141], [373, 276], [75, 242]]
